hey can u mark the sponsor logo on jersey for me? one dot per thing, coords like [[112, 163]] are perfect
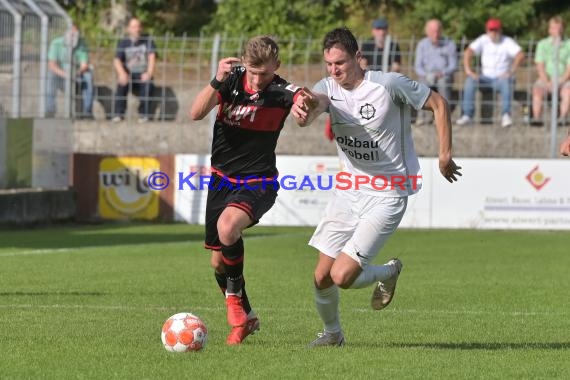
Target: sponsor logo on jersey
[[238, 112], [345, 143]]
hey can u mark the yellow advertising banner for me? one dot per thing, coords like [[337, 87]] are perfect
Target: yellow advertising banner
[[123, 188]]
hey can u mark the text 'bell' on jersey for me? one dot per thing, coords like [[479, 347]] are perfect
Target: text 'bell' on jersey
[[372, 129], [248, 125]]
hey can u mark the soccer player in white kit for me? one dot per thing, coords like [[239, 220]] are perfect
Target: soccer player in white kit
[[370, 113]]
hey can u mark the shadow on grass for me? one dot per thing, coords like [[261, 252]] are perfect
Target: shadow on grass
[[109, 234], [484, 346], [34, 294]]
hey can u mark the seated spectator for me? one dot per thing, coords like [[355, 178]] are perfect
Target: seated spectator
[[79, 71], [373, 50], [134, 63], [436, 61], [545, 65], [500, 58]]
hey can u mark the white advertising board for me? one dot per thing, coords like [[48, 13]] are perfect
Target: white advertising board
[[491, 194]]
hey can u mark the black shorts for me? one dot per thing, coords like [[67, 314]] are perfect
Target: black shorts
[[255, 198]]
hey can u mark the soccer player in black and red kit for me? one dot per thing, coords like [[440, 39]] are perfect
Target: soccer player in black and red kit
[[253, 105]]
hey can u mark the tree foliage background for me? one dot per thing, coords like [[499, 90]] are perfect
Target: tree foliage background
[[523, 19]]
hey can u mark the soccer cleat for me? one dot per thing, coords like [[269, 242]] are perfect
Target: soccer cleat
[[328, 339], [384, 291], [239, 333], [236, 315], [252, 325]]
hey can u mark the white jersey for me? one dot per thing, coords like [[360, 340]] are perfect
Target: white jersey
[[372, 128], [496, 57]]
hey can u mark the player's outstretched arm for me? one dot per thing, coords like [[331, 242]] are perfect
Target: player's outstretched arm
[[308, 105], [207, 98], [442, 116]]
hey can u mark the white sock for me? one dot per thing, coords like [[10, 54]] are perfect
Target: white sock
[[371, 274], [327, 306]]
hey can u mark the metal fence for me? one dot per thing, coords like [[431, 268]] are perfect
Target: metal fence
[[26, 28], [184, 65]]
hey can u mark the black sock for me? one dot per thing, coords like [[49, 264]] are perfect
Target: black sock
[[222, 282], [233, 261]]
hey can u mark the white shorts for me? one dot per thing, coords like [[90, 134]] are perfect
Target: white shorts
[[358, 225]]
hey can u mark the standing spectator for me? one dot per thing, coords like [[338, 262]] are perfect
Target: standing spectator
[[373, 50], [134, 63], [500, 58], [545, 60], [59, 69], [436, 61]]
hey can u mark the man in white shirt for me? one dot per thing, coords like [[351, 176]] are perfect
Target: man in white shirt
[[370, 115], [500, 57]]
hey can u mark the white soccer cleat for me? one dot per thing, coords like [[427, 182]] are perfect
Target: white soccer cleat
[[384, 291], [326, 338]]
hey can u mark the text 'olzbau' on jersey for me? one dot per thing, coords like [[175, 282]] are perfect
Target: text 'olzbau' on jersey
[[248, 125], [372, 128]]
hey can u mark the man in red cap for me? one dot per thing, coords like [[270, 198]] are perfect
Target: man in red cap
[[500, 57]]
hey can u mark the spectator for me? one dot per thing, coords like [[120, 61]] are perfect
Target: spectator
[[500, 58], [436, 61], [134, 63], [373, 50], [545, 65], [59, 69]]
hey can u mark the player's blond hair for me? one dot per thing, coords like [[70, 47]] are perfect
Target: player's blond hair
[[260, 50]]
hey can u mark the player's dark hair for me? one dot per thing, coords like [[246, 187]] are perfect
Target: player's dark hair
[[341, 38]]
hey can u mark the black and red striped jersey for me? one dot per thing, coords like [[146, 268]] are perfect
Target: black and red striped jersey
[[248, 125]]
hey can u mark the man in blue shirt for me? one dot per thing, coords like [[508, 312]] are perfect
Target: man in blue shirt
[[436, 61], [134, 63]]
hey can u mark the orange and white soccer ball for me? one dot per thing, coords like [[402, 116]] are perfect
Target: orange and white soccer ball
[[184, 332]]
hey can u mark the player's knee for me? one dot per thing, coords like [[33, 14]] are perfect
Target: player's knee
[[342, 279], [228, 232], [322, 280]]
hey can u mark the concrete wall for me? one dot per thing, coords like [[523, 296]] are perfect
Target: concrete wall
[[519, 141], [30, 206]]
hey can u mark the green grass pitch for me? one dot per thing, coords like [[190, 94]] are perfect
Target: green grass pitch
[[89, 302]]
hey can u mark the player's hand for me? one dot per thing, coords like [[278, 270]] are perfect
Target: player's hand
[[449, 169], [305, 102], [225, 67], [145, 77], [565, 147]]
